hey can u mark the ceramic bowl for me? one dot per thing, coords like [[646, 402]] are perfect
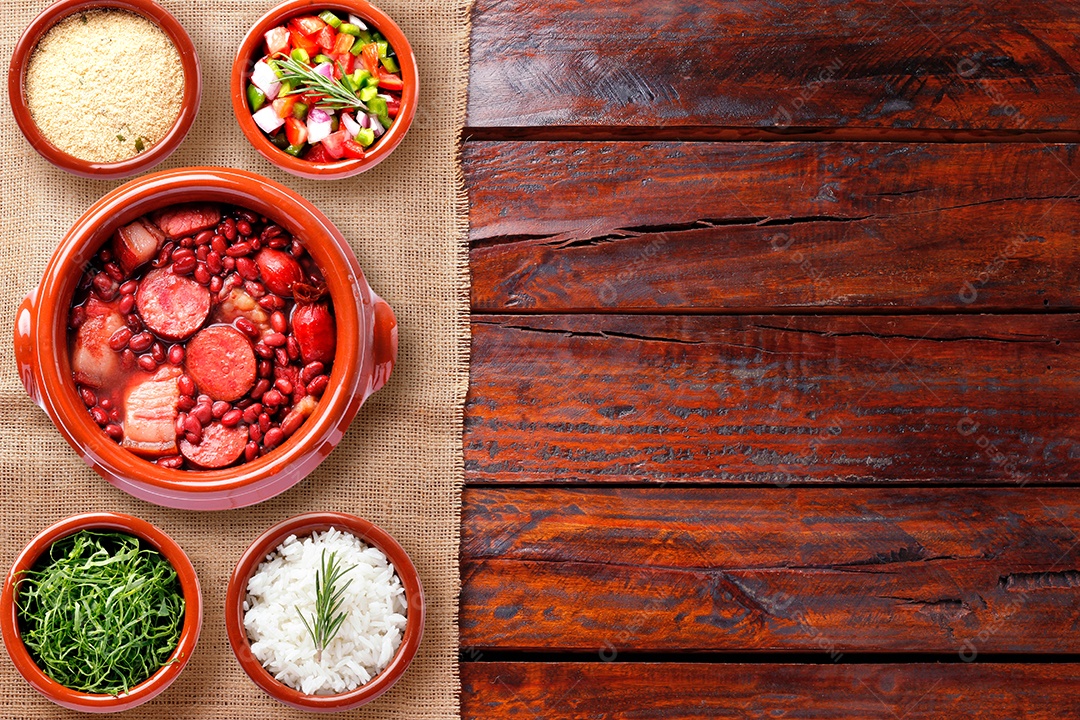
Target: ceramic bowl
[[303, 525], [156, 683], [189, 108], [365, 355], [252, 48]]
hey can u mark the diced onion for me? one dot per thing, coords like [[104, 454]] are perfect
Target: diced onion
[[267, 119], [326, 70], [264, 78], [318, 131], [363, 119], [358, 22], [318, 115], [376, 126], [351, 125]]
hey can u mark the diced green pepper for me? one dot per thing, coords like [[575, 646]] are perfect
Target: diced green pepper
[[383, 47], [375, 104], [274, 66], [295, 150], [256, 97], [350, 29], [362, 38], [330, 19], [365, 137], [287, 86], [139, 144], [320, 59], [300, 55], [368, 94], [358, 77], [386, 121], [280, 140], [371, 81], [377, 36], [335, 123], [346, 80], [299, 110], [389, 63]]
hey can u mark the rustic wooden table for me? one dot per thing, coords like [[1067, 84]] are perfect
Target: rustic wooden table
[[774, 406]]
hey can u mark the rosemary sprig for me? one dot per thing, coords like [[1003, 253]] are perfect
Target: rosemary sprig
[[338, 97], [329, 596]]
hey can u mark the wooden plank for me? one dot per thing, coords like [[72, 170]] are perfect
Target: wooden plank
[[954, 64], [965, 572], [714, 227], [765, 399], [695, 691]]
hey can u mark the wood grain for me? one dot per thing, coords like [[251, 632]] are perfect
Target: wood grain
[[691, 691], [960, 571], [754, 227], [947, 65], [774, 400]]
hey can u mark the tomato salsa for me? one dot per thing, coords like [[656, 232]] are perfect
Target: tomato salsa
[[201, 336], [327, 89]]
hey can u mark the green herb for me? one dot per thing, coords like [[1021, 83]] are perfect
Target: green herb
[[121, 138], [140, 145], [102, 613], [328, 616], [84, 20], [338, 97]]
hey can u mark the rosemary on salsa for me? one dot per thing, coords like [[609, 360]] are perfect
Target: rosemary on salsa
[[101, 612]]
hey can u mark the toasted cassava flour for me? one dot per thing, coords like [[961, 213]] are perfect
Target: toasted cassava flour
[[105, 85]]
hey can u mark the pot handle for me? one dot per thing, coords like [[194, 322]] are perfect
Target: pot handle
[[24, 346], [384, 345]]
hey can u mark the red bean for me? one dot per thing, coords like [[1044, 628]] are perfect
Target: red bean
[[114, 431], [133, 321], [255, 433], [220, 408], [193, 438], [256, 243], [291, 423], [247, 268], [88, 397], [105, 254], [163, 257], [254, 289], [274, 339], [186, 385], [176, 354], [146, 362], [129, 287], [202, 274], [127, 304], [215, 284], [218, 244], [202, 252], [100, 416], [228, 264], [181, 420], [244, 228], [103, 285], [251, 414], [185, 403], [272, 398], [271, 231], [296, 249], [239, 250], [141, 342], [318, 385], [310, 370], [277, 243], [271, 302], [247, 327], [204, 237], [105, 404], [203, 413], [251, 451], [192, 424], [264, 422], [281, 357], [188, 242], [127, 359], [114, 271], [260, 387], [185, 265], [263, 350], [292, 347], [278, 321], [232, 418], [229, 229], [284, 386], [119, 339], [266, 368], [78, 317], [114, 415], [174, 462], [273, 438], [213, 262], [157, 351]]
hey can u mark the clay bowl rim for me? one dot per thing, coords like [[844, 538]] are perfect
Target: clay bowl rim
[[246, 55], [353, 307], [189, 106], [156, 683], [302, 525]]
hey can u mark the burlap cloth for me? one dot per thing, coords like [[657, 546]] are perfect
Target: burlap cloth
[[399, 465]]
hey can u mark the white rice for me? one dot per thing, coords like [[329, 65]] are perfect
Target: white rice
[[367, 640]]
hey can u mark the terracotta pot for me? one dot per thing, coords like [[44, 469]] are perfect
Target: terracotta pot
[[156, 683], [365, 355], [252, 48], [303, 525], [189, 107]]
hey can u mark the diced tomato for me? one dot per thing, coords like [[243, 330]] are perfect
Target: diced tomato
[[318, 154], [370, 54], [393, 106], [312, 99], [353, 149], [283, 106], [335, 143], [277, 40], [342, 64], [299, 41], [325, 38], [389, 81], [307, 25], [342, 44], [295, 131]]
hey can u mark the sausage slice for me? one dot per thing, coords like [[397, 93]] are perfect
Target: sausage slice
[[221, 362], [220, 446], [173, 306]]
